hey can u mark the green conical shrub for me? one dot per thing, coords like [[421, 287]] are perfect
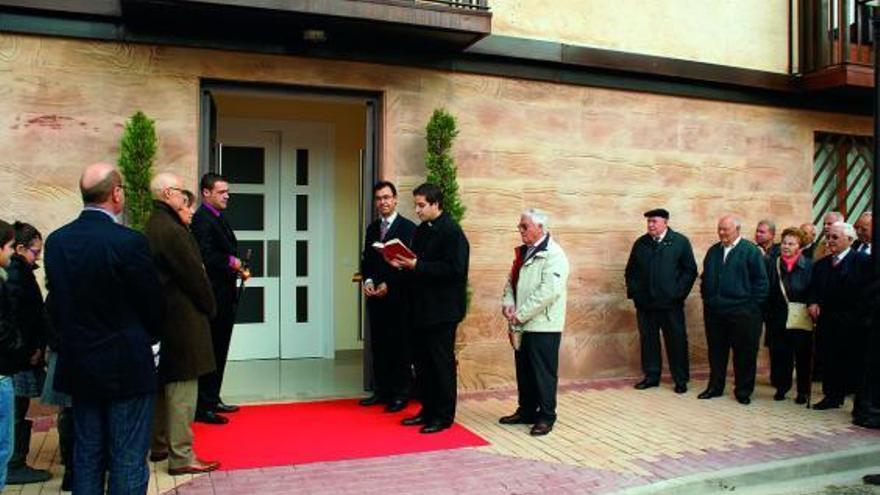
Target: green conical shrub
[[137, 151]]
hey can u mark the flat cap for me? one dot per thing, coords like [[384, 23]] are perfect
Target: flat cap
[[657, 212]]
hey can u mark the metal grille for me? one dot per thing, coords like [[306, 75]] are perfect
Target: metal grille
[[842, 169]]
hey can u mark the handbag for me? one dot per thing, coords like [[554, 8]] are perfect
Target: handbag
[[798, 317]]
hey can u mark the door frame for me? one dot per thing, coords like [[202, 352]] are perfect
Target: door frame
[[372, 164]]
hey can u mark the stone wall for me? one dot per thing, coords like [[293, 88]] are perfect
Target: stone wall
[[595, 158]]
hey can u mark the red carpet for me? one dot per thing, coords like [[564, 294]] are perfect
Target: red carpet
[[298, 433]]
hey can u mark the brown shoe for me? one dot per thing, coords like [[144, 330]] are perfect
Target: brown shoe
[[198, 467], [541, 429]]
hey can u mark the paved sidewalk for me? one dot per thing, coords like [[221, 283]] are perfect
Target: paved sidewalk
[[609, 437]]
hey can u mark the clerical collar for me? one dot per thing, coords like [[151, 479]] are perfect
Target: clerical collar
[[102, 210]]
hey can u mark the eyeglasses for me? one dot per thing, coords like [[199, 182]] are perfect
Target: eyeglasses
[[835, 236]]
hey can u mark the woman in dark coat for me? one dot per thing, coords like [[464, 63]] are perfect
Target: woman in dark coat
[[32, 322], [790, 348]]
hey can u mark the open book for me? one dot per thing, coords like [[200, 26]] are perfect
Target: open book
[[393, 248]]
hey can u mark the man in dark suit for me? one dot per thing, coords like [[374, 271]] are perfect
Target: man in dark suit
[[186, 351], [219, 249], [863, 226], [837, 304], [438, 291], [734, 287], [765, 235], [659, 276], [107, 308], [386, 304]]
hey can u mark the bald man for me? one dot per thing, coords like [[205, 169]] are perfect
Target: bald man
[[864, 226], [186, 349], [734, 286], [107, 308], [810, 247]]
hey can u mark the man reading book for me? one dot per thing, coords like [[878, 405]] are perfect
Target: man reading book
[[386, 302]]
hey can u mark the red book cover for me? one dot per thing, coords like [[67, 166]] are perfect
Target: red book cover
[[393, 248]]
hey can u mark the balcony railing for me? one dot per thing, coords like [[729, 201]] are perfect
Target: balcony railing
[[462, 4], [833, 33]]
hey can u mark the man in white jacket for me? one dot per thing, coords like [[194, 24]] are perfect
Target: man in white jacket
[[534, 306]]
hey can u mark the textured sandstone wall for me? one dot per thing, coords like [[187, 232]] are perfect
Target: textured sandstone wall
[[595, 158]]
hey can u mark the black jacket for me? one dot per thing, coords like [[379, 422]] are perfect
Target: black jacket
[[797, 288], [107, 306], [439, 281], [738, 283], [660, 275], [841, 289], [217, 243], [30, 311], [13, 352], [373, 265]]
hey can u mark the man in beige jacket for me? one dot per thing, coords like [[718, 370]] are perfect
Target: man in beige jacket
[[534, 306]]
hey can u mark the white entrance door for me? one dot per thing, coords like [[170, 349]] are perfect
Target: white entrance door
[[285, 216]]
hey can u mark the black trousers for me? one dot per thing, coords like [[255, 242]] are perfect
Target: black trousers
[[22, 439], [221, 336], [738, 330], [435, 371], [389, 345], [793, 351], [671, 322], [843, 354], [537, 365]]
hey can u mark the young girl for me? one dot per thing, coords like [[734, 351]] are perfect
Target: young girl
[[31, 321], [12, 353]]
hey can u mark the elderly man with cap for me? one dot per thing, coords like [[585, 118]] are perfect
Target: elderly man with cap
[[659, 276]]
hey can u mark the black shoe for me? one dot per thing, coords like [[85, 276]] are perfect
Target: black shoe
[[680, 388], [158, 456], [222, 407], [396, 405], [779, 395], [67, 480], [709, 393], [800, 399], [642, 385], [871, 479], [26, 475], [540, 429], [416, 420], [516, 419], [371, 400], [211, 418], [826, 403], [743, 399], [434, 427]]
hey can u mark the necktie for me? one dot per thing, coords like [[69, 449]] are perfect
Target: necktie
[[835, 261], [383, 229]]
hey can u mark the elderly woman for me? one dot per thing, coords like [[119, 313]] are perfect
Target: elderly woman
[[790, 347]]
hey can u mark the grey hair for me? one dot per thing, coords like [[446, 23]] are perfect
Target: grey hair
[[769, 223], [848, 229], [540, 217], [163, 181], [836, 214]]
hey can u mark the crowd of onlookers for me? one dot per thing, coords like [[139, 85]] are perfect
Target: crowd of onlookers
[[132, 338]]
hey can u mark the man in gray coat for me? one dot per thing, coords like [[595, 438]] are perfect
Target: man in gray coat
[[186, 351]]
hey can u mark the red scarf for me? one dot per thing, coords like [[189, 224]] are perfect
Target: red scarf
[[790, 261], [514, 270]]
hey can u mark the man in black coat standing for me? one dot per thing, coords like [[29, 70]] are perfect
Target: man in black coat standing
[[438, 288], [659, 276], [219, 249], [387, 304], [734, 287], [107, 307], [837, 303]]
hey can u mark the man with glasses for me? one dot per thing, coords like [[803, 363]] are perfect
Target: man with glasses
[[387, 304], [836, 303]]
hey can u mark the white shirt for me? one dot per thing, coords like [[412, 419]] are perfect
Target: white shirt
[[660, 237], [534, 246], [865, 247], [388, 220], [838, 258], [732, 245]]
